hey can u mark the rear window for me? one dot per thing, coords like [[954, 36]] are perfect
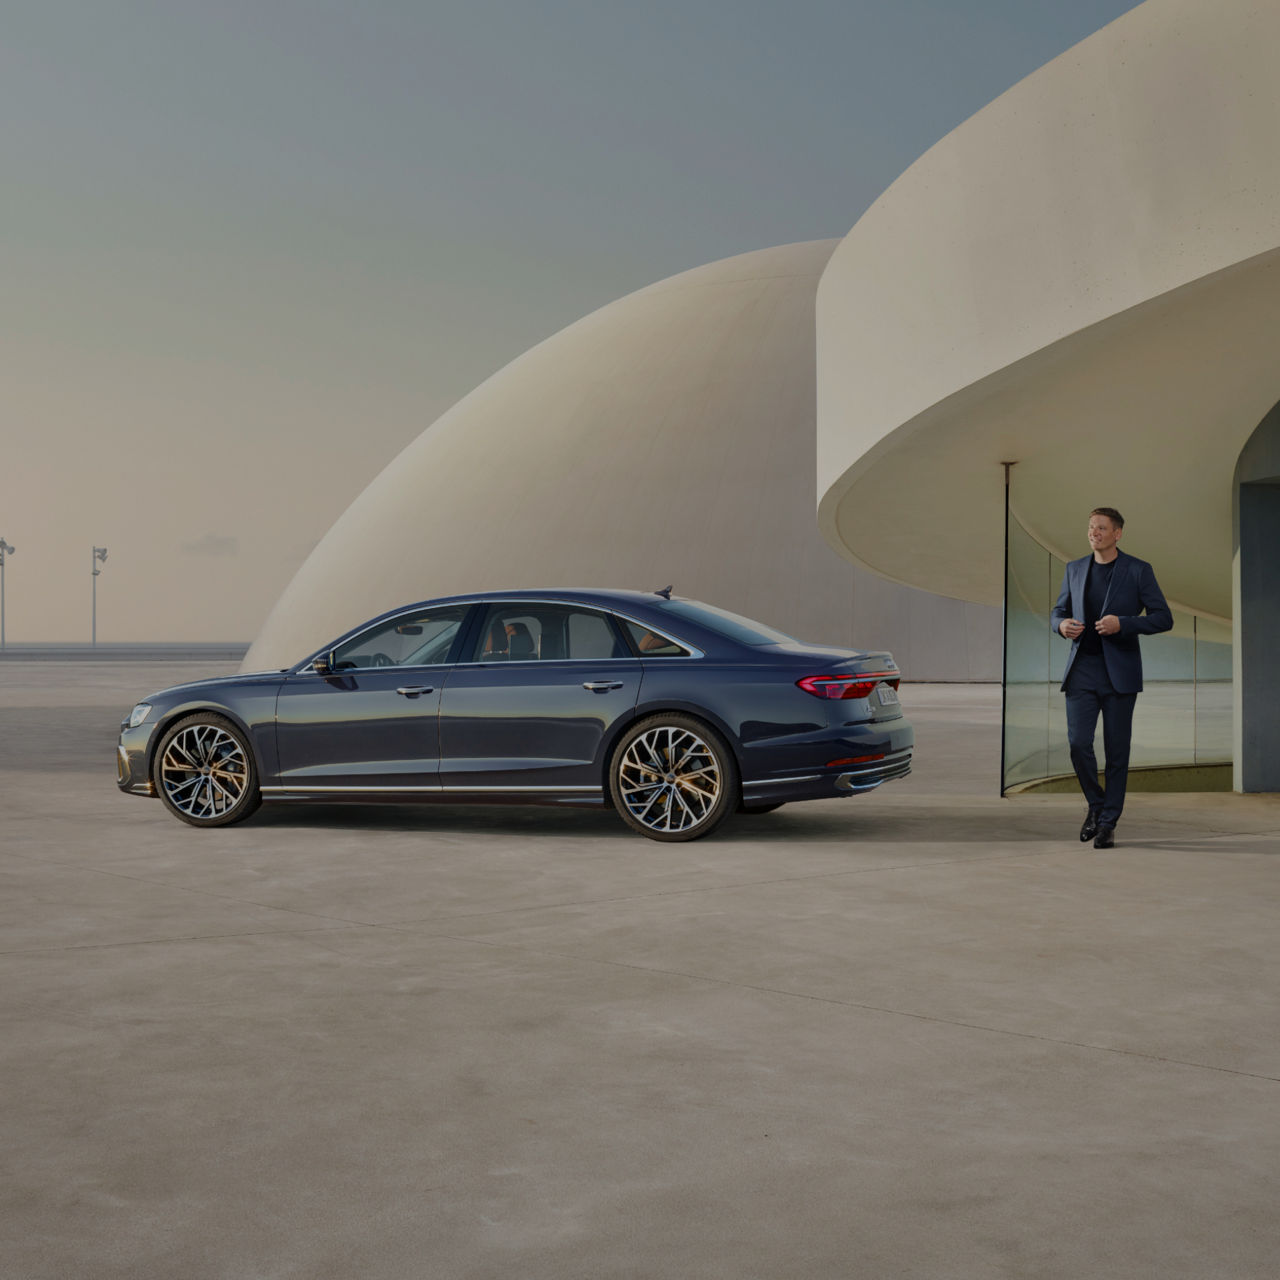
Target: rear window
[[653, 644], [721, 621]]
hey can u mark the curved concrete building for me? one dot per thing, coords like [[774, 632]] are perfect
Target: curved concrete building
[[1082, 280], [666, 438]]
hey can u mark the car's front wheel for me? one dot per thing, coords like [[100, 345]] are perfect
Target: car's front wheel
[[673, 778], [204, 771]]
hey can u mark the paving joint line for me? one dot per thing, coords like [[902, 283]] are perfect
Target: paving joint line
[[193, 937], [869, 1008]]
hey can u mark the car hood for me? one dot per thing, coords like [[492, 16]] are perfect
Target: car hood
[[177, 692]]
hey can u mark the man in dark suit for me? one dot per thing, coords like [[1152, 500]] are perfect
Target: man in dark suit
[[1099, 610]]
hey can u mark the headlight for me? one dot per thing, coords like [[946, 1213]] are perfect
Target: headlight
[[139, 714]]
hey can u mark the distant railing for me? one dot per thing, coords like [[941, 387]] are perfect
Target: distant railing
[[153, 651]]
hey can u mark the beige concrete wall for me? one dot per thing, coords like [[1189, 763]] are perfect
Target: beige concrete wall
[[1081, 278], [666, 438]]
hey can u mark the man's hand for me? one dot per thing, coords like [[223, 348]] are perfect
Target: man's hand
[[1070, 628], [1108, 626]]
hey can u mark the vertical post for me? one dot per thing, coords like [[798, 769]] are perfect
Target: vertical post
[[5, 551], [1195, 691], [1004, 648], [99, 555]]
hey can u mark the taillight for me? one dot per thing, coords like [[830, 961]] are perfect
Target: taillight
[[859, 686]]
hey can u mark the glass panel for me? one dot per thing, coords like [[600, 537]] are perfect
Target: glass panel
[[1027, 657], [1183, 716], [652, 644], [1059, 650], [722, 622], [1213, 710], [1164, 720], [511, 633], [412, 639], [516, 631], [591, 636]]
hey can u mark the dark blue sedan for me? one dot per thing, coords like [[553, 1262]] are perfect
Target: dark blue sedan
[[676, 712]]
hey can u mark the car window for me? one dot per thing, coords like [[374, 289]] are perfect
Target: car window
[[721, 621], [517, 631], [409, 640], [653, 644], [591, 636]]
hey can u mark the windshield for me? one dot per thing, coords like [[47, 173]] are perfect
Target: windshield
[[721, 621]]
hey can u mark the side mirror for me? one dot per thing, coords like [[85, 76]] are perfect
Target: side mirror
[[322, 666]]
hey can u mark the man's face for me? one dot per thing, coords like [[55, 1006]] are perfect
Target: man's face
[[1103, 535]]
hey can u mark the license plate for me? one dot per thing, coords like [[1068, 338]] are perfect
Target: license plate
[[888, 695]]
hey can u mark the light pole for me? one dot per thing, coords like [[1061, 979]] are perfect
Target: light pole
[[99, 554], [5, 550]]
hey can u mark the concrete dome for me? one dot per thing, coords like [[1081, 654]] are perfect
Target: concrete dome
[[666, 438], [1084, 279]]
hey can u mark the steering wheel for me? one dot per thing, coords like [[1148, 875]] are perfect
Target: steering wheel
[[381, 660]]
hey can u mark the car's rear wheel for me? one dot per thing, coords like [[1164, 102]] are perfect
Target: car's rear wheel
[[673, 778], [204, 771]]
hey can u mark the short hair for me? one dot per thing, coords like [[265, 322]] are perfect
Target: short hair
[[1111, 513]]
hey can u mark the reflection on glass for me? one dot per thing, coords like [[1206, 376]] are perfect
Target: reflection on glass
[[1164, 719], [1213, 691], [407, 640], [1027, 729]]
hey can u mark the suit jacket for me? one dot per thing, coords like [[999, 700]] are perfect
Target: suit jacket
[[1133, 589]]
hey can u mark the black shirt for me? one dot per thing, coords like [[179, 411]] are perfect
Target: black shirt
[[1096, 586]]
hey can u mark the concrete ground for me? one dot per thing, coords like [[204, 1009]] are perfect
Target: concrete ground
[[920, 1033]]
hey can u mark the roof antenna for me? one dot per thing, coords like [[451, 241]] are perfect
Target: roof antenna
[[665, 593]]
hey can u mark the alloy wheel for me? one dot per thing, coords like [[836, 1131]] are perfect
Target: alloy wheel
[[671, 782], [204, 773]]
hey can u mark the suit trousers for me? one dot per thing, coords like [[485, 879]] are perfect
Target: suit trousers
[[1089, 691]]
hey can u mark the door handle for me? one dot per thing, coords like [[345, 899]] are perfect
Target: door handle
[[602, 686], [412, 690]]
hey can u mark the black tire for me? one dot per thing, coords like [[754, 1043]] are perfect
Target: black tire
[[760, 808], [673, 778], [204, 771]]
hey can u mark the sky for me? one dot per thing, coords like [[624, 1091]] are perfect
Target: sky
[[251, 249]]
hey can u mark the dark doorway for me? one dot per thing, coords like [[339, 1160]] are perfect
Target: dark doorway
[[1257, 609]]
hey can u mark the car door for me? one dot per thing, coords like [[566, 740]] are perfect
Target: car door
[[371, 725], [530, 704]]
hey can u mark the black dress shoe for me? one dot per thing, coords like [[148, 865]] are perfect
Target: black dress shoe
[[1106, 838], [1090, 828]]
